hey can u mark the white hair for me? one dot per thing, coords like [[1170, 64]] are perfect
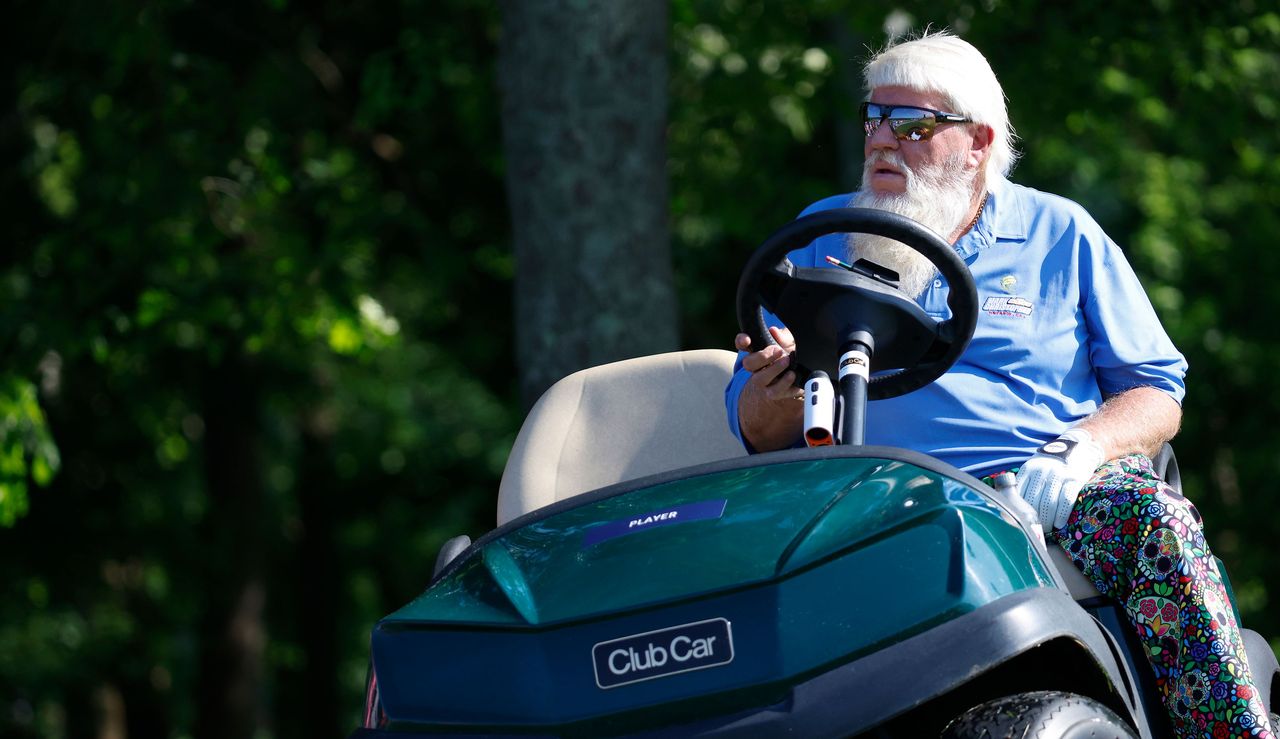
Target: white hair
[[946, 64]]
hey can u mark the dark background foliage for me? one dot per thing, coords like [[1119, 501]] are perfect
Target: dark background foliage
[[257, 321]]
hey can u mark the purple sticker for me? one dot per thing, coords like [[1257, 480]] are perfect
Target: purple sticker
[[700, 511]]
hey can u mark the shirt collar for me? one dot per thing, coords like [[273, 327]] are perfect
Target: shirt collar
[[1001, 218]]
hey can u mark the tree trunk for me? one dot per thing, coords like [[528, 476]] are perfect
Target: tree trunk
[[233, 635], [584, 107], [318, 573]]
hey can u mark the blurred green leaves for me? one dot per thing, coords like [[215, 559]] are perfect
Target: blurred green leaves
[[27, 449], [291, 207], [55, 162]]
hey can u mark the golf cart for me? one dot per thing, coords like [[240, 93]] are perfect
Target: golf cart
[[648, 579]]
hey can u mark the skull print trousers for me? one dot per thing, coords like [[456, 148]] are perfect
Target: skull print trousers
[[1141, 542]]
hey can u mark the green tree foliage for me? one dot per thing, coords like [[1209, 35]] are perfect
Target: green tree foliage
[[256, 316], [27, 451], [252, 249]]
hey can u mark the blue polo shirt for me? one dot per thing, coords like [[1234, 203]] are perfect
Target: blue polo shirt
[[1063, 323]]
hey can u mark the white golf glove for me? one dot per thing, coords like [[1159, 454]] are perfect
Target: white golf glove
[[1051, 480]]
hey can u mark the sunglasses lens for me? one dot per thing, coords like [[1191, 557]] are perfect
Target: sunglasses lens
[[870, 115], [913, 129], [907, 124]]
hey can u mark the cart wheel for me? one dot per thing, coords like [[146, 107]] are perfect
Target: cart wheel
[[1039, 715]]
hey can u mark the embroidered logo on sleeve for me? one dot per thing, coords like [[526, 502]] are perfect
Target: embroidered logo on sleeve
[[1002, 305]]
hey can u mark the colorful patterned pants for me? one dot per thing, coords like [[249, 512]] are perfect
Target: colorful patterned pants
[[1141, 542]]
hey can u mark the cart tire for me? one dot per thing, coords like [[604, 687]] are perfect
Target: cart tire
[[1039, 715]]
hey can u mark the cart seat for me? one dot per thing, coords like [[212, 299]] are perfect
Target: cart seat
[[617, 422]]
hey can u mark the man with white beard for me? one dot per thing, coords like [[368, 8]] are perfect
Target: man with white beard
[[1070, 381]]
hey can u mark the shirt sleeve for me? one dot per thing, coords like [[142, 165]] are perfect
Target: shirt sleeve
[[1128, 346], [733, 391]]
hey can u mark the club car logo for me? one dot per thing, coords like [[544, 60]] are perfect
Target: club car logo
[[664, 652]]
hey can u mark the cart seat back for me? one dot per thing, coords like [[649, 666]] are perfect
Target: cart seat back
[[617, 422]]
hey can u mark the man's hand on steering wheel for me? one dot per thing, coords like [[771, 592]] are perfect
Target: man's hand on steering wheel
[[768, 412]]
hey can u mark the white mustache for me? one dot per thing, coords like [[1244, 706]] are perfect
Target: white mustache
[[888, 156], [885, 156]]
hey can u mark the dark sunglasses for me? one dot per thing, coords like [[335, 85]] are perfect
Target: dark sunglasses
[[906, 122]]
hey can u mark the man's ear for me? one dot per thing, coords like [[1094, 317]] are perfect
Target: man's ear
[[980, 149]]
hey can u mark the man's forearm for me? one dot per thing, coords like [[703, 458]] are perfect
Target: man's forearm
[[766, 432], [1138, 420]]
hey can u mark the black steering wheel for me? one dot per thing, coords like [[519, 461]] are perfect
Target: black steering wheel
[[826, 309]]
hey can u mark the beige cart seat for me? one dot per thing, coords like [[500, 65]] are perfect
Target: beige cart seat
[[617, 422]]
